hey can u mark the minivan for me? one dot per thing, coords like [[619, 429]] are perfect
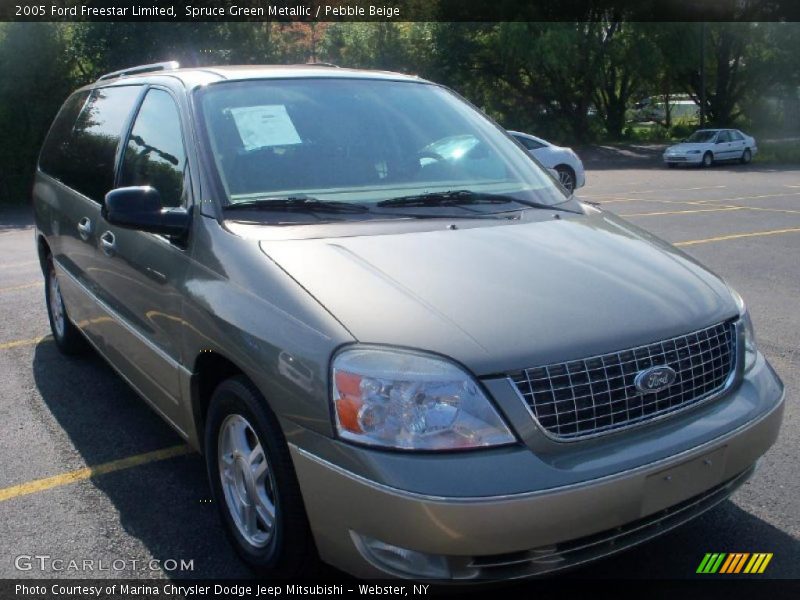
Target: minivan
[[403, 362]]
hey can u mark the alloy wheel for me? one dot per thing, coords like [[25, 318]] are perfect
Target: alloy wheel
[[56, 305], [247, 481], [566, 179]]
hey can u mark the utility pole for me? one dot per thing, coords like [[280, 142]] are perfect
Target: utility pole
[[703, 74]]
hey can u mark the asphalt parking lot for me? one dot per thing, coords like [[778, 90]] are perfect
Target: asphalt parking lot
[[90, 472]]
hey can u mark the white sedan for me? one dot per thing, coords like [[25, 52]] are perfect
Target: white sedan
[[707, 146], [561, 160]]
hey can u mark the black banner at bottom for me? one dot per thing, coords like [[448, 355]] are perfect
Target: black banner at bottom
[[129, 589]]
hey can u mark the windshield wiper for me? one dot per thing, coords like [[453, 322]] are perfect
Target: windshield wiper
[[461, 198], [448, 198], [301, 203]]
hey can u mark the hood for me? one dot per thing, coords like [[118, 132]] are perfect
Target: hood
[[505, 297]]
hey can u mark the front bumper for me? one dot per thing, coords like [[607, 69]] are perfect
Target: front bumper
[[683, 159], [580, 174], [510, 535]]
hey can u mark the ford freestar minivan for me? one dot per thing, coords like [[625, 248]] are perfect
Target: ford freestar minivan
[[400, 344]]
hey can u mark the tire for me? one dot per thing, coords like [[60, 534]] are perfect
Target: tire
[[68, 338], [747, 156], [708, 160], [566, 176], [670, 165], [238, 423]]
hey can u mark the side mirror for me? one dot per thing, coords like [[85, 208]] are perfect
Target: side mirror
[[141, 208]]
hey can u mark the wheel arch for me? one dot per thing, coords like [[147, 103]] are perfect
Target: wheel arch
[[43, 251], [210, 369], [569, 168]]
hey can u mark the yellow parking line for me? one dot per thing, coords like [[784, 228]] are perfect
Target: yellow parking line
[[615, 199], [24, 286], [683, 212], [717, 208], [778, 210], [28, 342], [18, 264], [691, 189], [40, 485], [735, 236]]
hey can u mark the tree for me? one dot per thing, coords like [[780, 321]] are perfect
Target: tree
[[741, 59], [37, 75], [628, 64]]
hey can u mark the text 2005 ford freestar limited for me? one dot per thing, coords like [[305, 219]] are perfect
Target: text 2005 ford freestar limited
[[401, 346]]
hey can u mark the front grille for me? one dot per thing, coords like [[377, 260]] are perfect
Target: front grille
[[585, 397]]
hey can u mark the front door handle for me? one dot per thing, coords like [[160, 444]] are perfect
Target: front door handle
[[108, 243], [85, 228]]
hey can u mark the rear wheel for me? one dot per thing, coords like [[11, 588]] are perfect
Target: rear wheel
[[708, 160], [747, 156], [567, 177], [254, 484], [67, 337]]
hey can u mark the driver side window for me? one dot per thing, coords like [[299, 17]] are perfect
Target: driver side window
[[155, 154]]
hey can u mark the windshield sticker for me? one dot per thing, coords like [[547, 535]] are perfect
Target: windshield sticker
[[267, 125]]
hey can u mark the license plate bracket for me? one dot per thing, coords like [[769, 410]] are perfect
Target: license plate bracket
[[676, 484]]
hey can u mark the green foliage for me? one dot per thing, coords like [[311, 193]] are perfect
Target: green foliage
[[778, 152], [682, 128], [569, 82], [36, 76]]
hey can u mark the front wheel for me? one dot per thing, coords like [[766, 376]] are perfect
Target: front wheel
[[747, 156], [68, 338], [708, 160], [566, 176], [253, 483]]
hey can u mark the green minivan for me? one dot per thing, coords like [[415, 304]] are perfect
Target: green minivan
[[401, 345]]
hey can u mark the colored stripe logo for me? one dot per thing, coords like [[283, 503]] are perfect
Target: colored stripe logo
[[734, 563]]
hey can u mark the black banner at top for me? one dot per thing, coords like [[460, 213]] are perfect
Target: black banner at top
[[398, 10]]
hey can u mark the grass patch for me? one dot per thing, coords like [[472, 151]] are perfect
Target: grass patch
[[656, 132], [778, 153]]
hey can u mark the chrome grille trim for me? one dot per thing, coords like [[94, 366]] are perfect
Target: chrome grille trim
[[583, 398]]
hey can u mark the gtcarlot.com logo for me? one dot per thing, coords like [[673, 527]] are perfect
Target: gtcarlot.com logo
[[734, 563], [45, 562]]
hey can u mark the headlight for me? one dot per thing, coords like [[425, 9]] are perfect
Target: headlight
[[412, 401], [750, 347]]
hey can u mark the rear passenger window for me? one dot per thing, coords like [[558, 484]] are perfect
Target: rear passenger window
[[530, 144], [54, 151], [85, 161], [155, 155]]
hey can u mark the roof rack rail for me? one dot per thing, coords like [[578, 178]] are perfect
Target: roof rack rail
[[162, 66]]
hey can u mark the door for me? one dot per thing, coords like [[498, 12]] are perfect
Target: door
[[737, 144], [142, 272], [723, 149], [78, 160]]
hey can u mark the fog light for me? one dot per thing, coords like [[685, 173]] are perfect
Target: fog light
[[401, 560]]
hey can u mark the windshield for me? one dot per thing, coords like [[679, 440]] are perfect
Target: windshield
[[704, 135], [360, 141]]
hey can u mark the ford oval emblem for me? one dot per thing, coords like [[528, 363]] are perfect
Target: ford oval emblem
[[655, 379]]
